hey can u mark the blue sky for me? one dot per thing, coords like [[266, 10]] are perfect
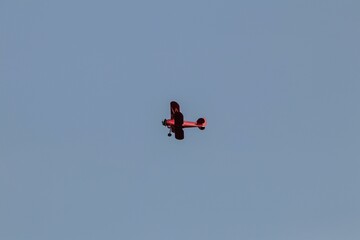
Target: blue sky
[[84, 86]]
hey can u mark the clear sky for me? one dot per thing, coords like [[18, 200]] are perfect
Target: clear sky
[[84, 86]]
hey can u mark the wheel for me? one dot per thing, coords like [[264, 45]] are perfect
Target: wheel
[[169, 134]]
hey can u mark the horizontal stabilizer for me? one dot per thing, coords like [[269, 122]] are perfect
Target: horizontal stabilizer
[[201, 122]]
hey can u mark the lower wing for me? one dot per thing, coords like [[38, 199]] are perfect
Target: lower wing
[[179, 133]]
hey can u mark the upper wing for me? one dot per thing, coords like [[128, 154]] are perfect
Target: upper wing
[[178, 119], [174, 107]]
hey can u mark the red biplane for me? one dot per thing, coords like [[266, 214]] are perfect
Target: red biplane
[[177, 123]]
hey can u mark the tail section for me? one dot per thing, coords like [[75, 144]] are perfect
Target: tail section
[[201, 122]]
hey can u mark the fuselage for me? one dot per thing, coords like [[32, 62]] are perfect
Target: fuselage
[[186, 124]]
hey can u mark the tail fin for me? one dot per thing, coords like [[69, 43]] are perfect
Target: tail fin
[[201, 122]]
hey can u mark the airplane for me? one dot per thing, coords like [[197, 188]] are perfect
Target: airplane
[[176, 123]]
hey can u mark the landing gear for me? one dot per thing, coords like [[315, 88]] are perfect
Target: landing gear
[[164, 123]]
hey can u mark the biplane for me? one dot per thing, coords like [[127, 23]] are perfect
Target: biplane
[[176, 123]]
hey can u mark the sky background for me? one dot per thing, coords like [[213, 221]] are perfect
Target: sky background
[[84, 86]]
